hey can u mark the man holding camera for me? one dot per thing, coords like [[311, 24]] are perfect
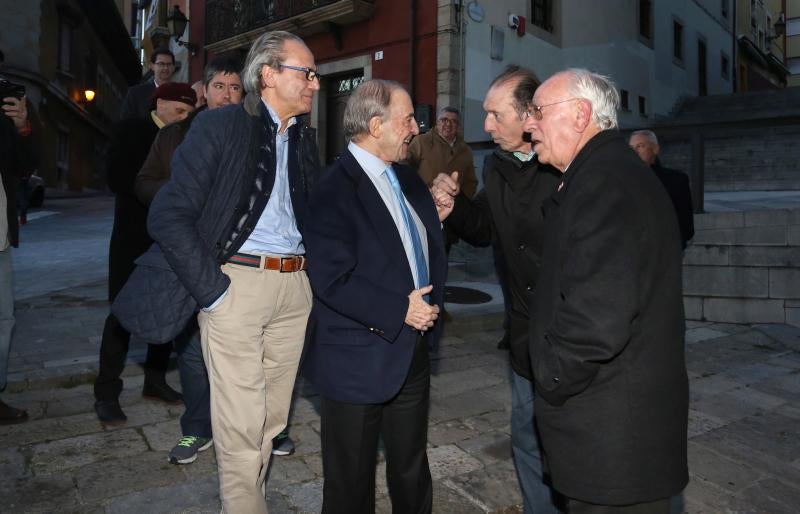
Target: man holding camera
[[16, 157]]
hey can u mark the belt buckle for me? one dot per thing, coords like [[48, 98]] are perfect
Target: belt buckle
[[286, 260]]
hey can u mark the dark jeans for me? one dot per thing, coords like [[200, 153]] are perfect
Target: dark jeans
[[114, 351], [196, 419], [350, 434]]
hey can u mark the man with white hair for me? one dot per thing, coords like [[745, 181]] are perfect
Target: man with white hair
[[606, 346], [645, 144]]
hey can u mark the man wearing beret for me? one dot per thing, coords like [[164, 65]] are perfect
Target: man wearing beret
[[130, 144]]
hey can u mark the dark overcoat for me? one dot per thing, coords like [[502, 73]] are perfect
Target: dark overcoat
[[361, 348], [607, 341], [127, 151]]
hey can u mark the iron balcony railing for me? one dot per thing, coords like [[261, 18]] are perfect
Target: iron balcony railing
[[228, 18]]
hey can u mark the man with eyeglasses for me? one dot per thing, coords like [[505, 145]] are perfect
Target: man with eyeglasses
[[229, 232], [137, 101], [607, 326], [507, 212]]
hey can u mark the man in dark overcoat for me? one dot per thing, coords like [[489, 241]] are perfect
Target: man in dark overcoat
[[607, 330], [128, 150], [645, 144]]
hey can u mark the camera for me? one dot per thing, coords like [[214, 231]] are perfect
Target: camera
[[8, 88]]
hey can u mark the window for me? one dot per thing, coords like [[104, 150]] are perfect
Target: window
[[793, 27], [724, 9], [64, 46], [642, 106], [725, 65], [645, 19], [677, 40], [623, 99], [542, 13], [793, 65]]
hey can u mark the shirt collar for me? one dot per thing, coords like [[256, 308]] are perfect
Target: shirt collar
[[525, 157], [370, 163], [160, 124], [276, 119]]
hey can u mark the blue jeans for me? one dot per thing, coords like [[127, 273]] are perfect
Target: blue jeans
[[537, 496], [196, 419]]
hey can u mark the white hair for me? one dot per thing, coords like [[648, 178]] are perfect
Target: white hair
[[599, 91], [648, 134]]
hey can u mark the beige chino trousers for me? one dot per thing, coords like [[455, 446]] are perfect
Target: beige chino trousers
[[252, 342]]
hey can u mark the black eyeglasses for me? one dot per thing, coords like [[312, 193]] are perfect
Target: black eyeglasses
[[310, 74]]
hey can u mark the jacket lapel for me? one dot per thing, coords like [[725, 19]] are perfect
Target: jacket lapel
[[378, 214]]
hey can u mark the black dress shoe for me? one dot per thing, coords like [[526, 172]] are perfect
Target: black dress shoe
[[110, 412], [161, 391], [504, 343]]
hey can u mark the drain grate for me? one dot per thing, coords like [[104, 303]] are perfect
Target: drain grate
[[465, 295]]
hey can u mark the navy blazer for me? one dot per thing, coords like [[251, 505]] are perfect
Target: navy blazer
[[360, 349]]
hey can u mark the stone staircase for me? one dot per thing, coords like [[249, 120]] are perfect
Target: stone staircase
[[744, 267]]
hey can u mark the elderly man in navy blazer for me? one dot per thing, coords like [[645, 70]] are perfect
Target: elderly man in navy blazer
[[374, 234]]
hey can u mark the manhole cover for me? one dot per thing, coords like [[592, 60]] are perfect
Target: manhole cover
[[454, 294]]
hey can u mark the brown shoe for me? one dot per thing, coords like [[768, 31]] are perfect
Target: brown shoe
[[11, 416]]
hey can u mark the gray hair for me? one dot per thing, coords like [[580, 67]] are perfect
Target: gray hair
[[451, 110], [648, 134], [370, 99], [600, 91], [267, 50]]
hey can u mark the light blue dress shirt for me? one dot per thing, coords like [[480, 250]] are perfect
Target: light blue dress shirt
[[276, 232], [373, 167]]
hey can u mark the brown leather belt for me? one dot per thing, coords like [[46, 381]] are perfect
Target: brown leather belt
[[283, 264]]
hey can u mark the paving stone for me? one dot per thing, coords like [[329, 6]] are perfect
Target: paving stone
[[306, 497], [44, 495], [700, 423], [162, 437], [787, 386], [789, 336], [728, 474], [287, 470], [122, 476], [492, 488], [63, 454], [203, 467], [755, 373], [495, 421], [727, 407], [768, 433], [447, 500], [702, 334], [73, 404], [304, 409], [707, 496], [450, 460], [48, 429], [448, 432], [695, 324], [489, 448], [12, 464], [314, 463], [306, 439], [456, 382], [771, 496], [196, 497], [711, 385], [462, 405]]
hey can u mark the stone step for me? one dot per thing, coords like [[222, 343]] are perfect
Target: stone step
[[728, 255], [741, 282]]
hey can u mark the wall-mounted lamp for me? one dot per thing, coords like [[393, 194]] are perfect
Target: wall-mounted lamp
[[176, 22], [88, 95], [779, 27]]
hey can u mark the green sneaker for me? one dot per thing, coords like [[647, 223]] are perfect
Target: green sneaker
[[185, 452], [282, 444]]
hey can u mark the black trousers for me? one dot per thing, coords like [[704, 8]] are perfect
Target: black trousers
[[114, 351], [350, 435], [654, 507]]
